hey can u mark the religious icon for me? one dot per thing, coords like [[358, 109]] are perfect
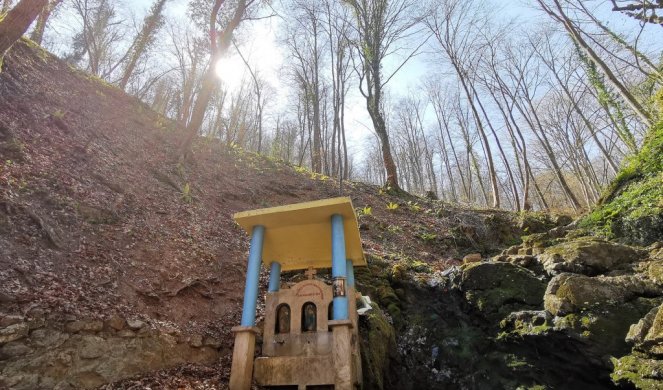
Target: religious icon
[[310, 317], [338, 286], [283, 319]]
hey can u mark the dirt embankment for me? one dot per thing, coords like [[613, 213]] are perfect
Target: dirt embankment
[[101, 226]]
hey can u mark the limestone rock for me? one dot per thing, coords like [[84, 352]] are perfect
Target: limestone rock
[[472, 258], [491, 285], [48, 338], [638, 370], [14, 332], [14, 349], [568, 293], [116, 322], [655, 271], [92, 347], [84, 326], [126, 333], [196, 341], [638, 332], [586, 256], [527, 322], [8, 320], [653, 340], [135, 324], [53, 358], [212, 342]]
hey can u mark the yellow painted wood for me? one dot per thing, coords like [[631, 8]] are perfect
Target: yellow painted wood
[[299, 235]]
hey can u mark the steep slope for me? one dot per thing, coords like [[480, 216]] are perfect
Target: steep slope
[[117, 260]]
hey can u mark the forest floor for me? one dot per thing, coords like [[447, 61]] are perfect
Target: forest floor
[[98, 217]]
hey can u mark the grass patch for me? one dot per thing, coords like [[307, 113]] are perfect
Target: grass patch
[[633, 205]]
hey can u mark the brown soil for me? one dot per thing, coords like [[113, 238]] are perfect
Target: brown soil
[[96, 218]]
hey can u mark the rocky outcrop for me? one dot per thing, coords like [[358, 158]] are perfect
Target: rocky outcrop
[[378, 347], [586, 256], [495, 287], [571, 293], [643, 367], [37, 353]]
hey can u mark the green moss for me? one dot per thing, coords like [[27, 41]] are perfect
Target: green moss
[[637, 370], [522, 328], [535, 222], [632, 207], [40, 51], [378, 345], [496, 289]]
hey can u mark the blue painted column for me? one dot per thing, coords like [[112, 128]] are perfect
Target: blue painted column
[[274, 277], [351, 273], [339, 269], [252, 277]]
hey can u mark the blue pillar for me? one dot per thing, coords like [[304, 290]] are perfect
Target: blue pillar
[[252, 277], [351, 273], [274, 277], [339, 268]]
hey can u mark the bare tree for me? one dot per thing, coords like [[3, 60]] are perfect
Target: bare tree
[[16, 22], [219, 43], [96, 43], [37, 34], [556, 12], [305, 41], [380, 26], [643, 10], [145, 38], [452, 24]]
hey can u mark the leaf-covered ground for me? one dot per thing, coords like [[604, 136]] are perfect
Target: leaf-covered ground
[[97, 216]]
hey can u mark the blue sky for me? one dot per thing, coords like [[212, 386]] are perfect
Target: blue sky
[[259, 44]]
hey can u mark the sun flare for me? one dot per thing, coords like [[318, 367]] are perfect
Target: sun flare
[[231, 71]]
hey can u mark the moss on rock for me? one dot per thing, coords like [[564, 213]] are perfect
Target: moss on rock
[[638, 370], [378, 346], [632, 208], [500, 287], [587, 256]]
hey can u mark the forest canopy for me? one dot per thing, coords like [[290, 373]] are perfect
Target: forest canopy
[[529, 106]]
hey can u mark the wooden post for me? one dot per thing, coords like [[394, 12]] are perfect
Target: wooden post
[[241, 371], [342, 354]]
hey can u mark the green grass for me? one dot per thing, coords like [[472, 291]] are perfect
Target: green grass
[[635, 195]]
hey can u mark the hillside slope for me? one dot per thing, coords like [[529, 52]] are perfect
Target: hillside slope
[[121, 268], [116, 260]]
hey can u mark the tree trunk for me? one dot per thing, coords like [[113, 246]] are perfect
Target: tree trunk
[[482, 132], [16, 23], [575, 35], [37, 34], [381, 131], [146, 36], [209, 82]]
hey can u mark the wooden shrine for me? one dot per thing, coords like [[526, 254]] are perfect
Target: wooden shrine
[[310, 335]]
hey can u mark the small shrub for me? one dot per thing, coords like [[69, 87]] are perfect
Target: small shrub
[[186, 193], [428, 236], [367, 210], [58, 114], [414, 206], [391, 206], [394, 229]]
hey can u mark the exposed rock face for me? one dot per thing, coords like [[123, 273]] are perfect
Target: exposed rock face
[[378, 347], [494, 286], [571, 293], [643, 367], [88, 353], [586, 256]]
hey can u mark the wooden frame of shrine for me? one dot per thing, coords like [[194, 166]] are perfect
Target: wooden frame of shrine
[[310, 335]]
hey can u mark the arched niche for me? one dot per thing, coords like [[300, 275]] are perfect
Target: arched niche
[[282, 323], [309, 317]]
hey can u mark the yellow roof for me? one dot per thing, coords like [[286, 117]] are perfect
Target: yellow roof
[[299, 235]]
